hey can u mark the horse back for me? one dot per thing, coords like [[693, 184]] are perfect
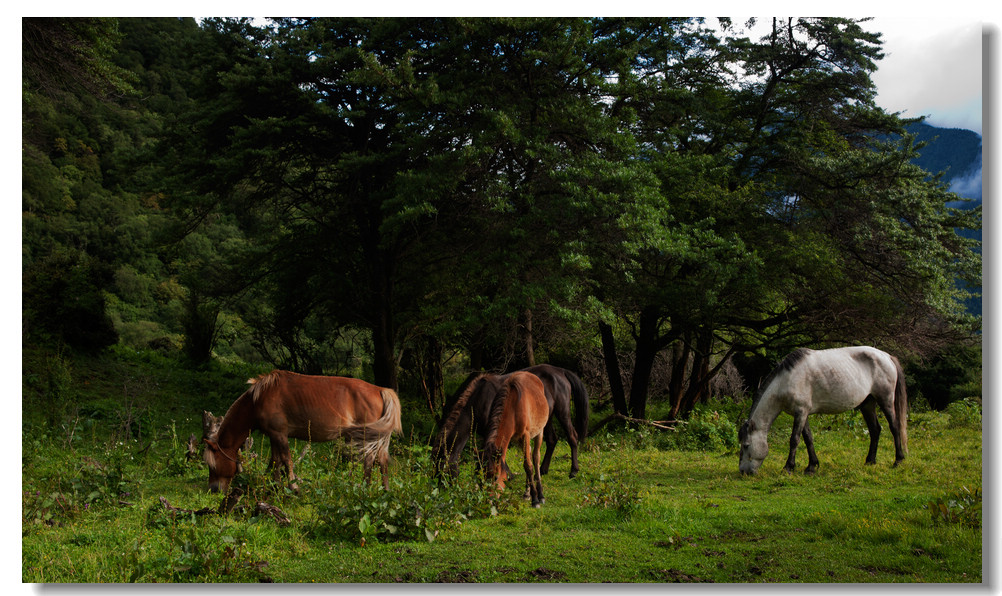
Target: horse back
[[316, 408], [529, 404], [842, 378]]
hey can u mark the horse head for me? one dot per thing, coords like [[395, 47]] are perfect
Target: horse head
[[493, 465], [222, 466], [754, 447]]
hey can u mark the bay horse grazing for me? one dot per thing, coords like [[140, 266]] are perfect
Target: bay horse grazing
[[468, 411], [827, 382], [519, 413], [283, 404], [467, 414]]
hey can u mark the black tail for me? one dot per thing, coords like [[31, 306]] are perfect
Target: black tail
[[582, 409]]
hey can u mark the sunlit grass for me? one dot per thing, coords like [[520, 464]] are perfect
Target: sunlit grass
[[637, 512]]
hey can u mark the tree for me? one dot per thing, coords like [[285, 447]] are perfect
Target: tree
[[733, 251]]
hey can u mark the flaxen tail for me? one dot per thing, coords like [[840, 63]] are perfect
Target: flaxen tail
[[373, 438], [901, 404]]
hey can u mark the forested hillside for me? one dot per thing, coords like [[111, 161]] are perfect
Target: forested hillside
[[663, 205], [954, 152]]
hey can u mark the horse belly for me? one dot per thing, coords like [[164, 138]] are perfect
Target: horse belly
[[315, 432], [837, 392]]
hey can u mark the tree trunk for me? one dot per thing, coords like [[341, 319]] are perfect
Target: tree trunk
[[646, 351], [612, 369], [676, 385]]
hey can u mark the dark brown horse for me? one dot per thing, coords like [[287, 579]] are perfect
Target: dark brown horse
[[519, 414], [312, 408], [467, 412]]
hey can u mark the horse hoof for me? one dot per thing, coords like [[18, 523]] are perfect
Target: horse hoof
[[537, 505], [810, 471], [572, 474]]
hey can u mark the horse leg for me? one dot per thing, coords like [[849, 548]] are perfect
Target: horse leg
[[572, 439], [812, 457], [869, 412], [799, 422], [887, 406], [536, 447], [551, 443], [280, 458], [530, 471]]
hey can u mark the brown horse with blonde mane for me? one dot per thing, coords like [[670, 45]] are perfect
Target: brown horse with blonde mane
[[283, 404], [519, 413]]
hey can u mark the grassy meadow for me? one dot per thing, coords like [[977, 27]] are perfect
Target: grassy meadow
[[648, 506]]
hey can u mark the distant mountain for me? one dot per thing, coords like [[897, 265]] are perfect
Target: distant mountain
[[954, 151]]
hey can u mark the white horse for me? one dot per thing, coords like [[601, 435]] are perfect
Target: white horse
[[827, 382]]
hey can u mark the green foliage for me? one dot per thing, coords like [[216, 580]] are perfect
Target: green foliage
[[417, 507], [962, 507], [965, 413], [198, 554], [617, 493], [75, 487], [954, 374], [707, 430]]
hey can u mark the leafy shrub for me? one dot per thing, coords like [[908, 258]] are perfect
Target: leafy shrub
[[952, 375], [962, 507], [197, 554], [707, 430], [69, 493], [964, 413], [612, 493], [416, 507]]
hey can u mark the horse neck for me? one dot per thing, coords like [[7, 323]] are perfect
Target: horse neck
[[496, 419], [766, 408], [237, 422]]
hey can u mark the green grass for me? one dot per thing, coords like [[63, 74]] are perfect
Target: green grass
[[641, 510]]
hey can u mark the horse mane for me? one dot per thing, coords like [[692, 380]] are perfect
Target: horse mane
[[787, 364], [497, 409], [263, 382], [470, 385]]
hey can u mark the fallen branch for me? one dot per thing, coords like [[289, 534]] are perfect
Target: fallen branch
[[227, 505], [658, 424], [277, 514], [202, 511]]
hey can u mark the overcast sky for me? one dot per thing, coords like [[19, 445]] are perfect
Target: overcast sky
[[932, 67]]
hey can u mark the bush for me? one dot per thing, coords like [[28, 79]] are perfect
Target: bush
[[416, 507], [964, 413], [952, 375], [707, 430], [962, 507], [612, 493]]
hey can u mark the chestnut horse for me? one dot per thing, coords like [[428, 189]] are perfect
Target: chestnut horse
[[519, 413], [283, 404], [467, 413]]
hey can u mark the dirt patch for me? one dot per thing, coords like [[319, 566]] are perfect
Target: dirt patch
[[544, 574], [456, 575], [677, 577]]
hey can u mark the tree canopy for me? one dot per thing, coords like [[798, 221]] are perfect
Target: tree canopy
[[322, 191]]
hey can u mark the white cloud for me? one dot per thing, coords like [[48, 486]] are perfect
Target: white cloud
[[932, 67]]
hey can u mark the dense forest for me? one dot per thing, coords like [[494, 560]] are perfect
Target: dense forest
[[663, 205]]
